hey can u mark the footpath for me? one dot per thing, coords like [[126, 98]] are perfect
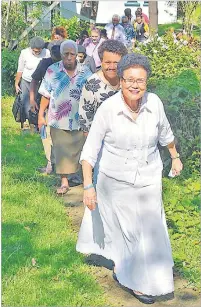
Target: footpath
[[116, 294]]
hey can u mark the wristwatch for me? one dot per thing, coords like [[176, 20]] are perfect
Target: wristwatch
[[177, 156]]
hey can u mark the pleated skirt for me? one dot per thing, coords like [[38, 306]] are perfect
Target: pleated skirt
[[129, 227]]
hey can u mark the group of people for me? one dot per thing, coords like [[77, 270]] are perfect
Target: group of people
[[101, 116]]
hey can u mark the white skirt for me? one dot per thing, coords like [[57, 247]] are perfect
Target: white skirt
[[129, 227]]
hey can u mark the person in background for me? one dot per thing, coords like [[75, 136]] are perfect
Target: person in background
[[141, 29], [61, 89], [100, 86], [103, 34], [124, 218], [85, 59], [83, 35], [115, 30], [92, 46], [35, 98], [59, 33], [127, 13], [129, 32], [27, 63], [145, 18]]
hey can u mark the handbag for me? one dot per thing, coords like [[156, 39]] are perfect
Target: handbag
[[18, 111], [33, 117]]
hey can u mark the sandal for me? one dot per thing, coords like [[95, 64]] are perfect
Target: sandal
[[62, 190]]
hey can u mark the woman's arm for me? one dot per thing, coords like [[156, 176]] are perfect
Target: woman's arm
[[43, 106], [17, 81], [89, 196]]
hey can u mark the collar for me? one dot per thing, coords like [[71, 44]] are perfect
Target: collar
[[120, 107]]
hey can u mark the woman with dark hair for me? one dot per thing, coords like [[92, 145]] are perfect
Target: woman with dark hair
[[83, 35], [124, 218]]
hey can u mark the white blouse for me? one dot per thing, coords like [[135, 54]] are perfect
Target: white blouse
[[129, 146]]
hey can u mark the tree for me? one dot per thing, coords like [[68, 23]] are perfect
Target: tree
[[153, 16], [190, 13]]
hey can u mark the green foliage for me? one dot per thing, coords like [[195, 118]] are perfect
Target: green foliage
[[168, 56], [9, 62], [181, 99], [73, 26], [182, 206]]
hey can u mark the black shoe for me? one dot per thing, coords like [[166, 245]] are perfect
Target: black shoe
[[145, 299]]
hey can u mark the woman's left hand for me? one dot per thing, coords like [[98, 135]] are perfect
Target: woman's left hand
[[177, 167]]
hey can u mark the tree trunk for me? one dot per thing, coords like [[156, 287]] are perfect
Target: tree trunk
[[7, 23], [153, 16]]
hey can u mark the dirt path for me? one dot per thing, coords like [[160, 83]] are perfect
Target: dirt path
[[117, 295]]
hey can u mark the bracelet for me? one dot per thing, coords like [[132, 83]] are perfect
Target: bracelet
[[177, 157], [89, 186]]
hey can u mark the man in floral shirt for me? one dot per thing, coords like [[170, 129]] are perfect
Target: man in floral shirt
[[61, 89]]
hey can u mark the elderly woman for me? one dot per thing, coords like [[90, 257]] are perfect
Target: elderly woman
[[27, 64], [61, 89], [124, 218]]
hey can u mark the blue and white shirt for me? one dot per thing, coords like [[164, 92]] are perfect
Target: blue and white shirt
[[64, 93]]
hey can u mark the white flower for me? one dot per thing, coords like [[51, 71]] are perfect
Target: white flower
[[185, 43], [176, 42], [181, 40], [137, 48], [155, 51], [159, 39], [165, 47]]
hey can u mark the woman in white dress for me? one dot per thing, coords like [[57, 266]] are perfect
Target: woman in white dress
[[124, 218]]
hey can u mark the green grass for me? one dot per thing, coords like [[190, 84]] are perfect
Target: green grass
[[35, 226]]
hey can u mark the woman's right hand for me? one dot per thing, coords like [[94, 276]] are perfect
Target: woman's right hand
[[17, 88], [89, 198]]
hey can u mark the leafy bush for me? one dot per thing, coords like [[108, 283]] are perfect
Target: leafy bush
[[168, 56], [182, 206], [9, 62], [73, 26]]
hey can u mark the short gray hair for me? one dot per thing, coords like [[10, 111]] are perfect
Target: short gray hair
[[111, 45], [132, 60], [116, 16], [68, 44], [37, 42]]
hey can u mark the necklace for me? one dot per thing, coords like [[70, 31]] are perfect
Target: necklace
[[132, 111]]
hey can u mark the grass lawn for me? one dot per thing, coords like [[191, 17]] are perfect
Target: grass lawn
[[177, 27], [40, 266]]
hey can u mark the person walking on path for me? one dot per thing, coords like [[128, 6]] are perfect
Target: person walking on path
[[124, 218], [85, 59], [61, 89], [35, 98], [141, 29], [129, 33], [27, 63], [115, 30]]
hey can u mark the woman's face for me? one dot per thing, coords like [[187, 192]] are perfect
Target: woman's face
[[57, 37], [134, 83], [37, 51], [95, 37], [109, 64]]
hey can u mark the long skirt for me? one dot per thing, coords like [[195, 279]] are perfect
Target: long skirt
[[128, 226], [67, 148]]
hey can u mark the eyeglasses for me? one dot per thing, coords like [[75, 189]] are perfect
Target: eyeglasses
[[139, 81]]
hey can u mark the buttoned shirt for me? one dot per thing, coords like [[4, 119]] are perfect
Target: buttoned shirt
[[28, 62], [64, 93], [119, 33], [129, 146], [129, 33]]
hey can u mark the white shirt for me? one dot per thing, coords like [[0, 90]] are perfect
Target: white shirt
[[130, 146], [28, 62], [119, 33]]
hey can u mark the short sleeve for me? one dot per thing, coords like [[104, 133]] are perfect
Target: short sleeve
[[46, 86], [21, 62], [86, 107], [166, 135]]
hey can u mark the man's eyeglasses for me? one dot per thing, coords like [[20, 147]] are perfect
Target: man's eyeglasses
[[139, 81]]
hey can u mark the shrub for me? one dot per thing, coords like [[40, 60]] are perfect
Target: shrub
[[9, 69], [168, 56]]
